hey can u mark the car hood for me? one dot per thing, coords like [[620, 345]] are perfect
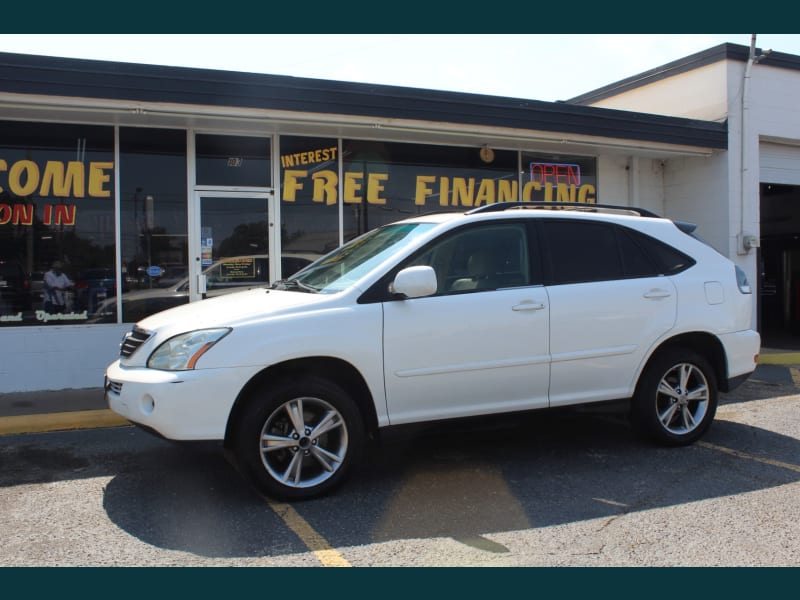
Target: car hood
[[232, 309]]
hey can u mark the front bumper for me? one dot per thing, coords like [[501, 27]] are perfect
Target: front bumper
[[179, 405]]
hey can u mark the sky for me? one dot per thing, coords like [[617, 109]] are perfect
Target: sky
[[547, 67]]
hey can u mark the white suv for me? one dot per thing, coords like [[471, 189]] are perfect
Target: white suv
[[508, 307]]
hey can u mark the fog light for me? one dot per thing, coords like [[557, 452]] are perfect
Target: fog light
[[148, 404]]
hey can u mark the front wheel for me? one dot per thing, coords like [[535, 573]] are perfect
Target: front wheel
[[676, 399], [297, 440]]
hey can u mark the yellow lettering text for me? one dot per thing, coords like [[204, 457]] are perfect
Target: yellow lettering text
[[507, 191], [62, 182], [15, 176], [565, 193], [444, 191], [352, 185], [97, 179], [325, 183], [375, 187], [291, 184], [463, 191], [528, 189], [486, 192], [586, 194], [423, 190]]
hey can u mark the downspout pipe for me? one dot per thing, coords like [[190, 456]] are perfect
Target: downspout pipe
[[744, 241], [741, 246]]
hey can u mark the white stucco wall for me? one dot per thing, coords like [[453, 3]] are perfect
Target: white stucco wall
[[774, 102], [631, 181], [695, 191], [56, 357], [698, 94]]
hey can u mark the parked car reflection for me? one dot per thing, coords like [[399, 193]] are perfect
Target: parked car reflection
[[94, 286], [15, 287], [224, 276]]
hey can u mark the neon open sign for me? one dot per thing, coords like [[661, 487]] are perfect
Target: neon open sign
[[555, 173]]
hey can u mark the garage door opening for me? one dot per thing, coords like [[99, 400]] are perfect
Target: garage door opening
[[779, 266]]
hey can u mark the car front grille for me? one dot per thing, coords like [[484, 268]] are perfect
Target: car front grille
[[115, 387], [132, 340]]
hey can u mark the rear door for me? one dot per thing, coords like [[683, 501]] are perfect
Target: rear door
[[609, 302]]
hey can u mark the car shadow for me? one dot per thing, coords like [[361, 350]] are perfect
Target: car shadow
[[459, 483]]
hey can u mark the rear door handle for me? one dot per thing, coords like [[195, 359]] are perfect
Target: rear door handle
[[655, 294], [528, 305]]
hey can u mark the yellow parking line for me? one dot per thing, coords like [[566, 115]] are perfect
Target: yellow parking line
[[78, 419], [313, 540], [737, 454]]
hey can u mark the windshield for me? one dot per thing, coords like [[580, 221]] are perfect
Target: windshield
[[343, 267]]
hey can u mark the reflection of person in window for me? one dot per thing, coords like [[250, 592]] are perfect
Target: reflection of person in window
[[56, 283]]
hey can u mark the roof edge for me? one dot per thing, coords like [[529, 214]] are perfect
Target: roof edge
[[132, 82], [726, 51]]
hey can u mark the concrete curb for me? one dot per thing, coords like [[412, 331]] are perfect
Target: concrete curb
[[779, 358], [64, 421]]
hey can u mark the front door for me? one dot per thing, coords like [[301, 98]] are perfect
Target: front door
[[232, 247], [480, 345]]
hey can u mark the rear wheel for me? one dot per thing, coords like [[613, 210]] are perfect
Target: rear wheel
[[298, 439], [676, 399]]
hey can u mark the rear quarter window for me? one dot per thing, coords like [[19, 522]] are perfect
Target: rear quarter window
[[669, 260]]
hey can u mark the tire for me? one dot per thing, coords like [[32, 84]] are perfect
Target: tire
[[298, 439], [676, 398]]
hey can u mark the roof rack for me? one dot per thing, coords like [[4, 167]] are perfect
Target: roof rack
[[501, 206]]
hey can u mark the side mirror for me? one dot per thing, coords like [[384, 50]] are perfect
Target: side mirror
[[415, 282]]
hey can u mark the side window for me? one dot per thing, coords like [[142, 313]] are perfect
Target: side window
[[581, 251], [488, 257], [636, 261], [669, 261]]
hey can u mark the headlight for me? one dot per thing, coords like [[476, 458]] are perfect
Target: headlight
[[180, 353]]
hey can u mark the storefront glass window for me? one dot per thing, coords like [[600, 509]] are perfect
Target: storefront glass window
[[309, 199], [56, 222], [549, 178], [231, 160], [385, 182], [153, 205]]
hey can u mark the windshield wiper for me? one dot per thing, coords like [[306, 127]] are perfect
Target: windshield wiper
[[293, 284]]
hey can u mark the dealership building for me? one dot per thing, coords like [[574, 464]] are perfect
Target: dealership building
[[153, 186]]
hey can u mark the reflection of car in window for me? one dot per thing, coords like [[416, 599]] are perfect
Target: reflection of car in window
[[15, 287], [228, 275], [93, 286]]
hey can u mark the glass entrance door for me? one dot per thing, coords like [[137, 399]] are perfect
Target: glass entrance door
[[232, 247]]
